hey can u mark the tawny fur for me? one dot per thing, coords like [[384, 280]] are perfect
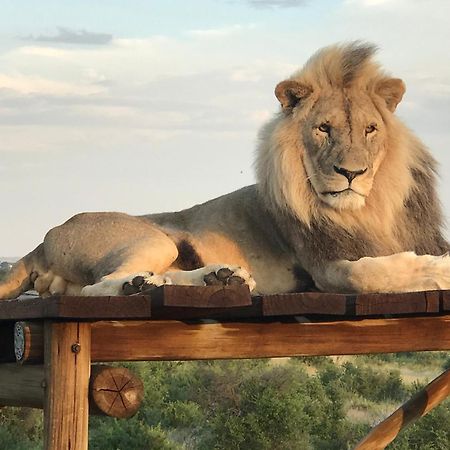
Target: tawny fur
[[345, 201]]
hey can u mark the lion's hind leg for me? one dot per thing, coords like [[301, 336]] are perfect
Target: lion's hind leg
[[135, 273]]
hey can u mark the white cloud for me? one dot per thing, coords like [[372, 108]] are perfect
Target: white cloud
[[220, 32], [28, 84], [372, 3], [277, 3]]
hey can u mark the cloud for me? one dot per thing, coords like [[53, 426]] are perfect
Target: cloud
[[26, 84], [277, 3], [220, 32], [68, 36]]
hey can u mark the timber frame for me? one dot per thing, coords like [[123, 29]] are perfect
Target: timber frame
[[47, 345]]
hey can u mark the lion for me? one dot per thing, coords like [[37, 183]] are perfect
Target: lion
[[345, 201]]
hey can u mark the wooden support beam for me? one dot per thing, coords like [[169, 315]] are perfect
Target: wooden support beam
[[170, 340], [423, 402], [22, 385], [113, 391], [23, 333], [67, 360], [173, 340]]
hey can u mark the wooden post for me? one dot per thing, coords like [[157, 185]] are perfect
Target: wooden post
[[423, 402], [113, 391], [67, 357]]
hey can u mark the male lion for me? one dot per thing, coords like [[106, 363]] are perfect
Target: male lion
[[345, 202]]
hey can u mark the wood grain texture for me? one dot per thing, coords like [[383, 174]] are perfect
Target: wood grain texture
[[202, 296], [172, 340], [423, 402], [175, 340], [28, 341], [229, 302], [67, 369], [22, 385], [65, 307], [305, 304], [115, 391]]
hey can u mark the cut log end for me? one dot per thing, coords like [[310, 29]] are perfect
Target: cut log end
[[116, 391]]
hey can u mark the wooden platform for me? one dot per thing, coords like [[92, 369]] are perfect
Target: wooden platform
[[66, 334], [229, 302]]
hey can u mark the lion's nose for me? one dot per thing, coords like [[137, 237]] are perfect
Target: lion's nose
[[349, 174]]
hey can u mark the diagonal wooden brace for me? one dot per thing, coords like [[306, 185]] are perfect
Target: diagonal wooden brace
[[423, 402]]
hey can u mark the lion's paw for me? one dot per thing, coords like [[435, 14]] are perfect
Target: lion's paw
[[143, 283], [228, 275]]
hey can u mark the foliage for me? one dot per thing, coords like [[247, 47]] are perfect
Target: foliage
[[260, 404], [20, 429]]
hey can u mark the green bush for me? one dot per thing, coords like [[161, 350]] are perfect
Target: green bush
[[251, 405]]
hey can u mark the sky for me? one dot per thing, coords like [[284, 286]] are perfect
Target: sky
[[143, 106]]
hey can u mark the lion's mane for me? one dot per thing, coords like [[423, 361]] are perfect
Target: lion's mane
[[403, 186]]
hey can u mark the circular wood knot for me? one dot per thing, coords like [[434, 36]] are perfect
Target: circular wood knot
[[116, 391]]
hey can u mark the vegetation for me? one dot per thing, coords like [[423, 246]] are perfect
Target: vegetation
[[308, 403]]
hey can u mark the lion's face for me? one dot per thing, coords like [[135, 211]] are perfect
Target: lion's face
[[344, 144], [342, 136]]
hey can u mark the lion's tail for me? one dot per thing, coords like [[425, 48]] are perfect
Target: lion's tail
[[18, 279]]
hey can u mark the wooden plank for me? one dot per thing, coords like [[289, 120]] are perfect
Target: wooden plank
[[202, 296], [66, 307], [172, 340], [380, 304], [433, 301], [305, 303], [67, 369], [445, 300], [231, 302], [423, 402], [120, 307]]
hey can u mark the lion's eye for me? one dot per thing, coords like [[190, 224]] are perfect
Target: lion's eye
[[371, 128], [324, 128]]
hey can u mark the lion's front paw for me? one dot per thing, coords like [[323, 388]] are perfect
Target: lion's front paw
[[143, 283], [229, 275]]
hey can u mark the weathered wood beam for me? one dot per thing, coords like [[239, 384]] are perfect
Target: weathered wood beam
[[24, 334], [67, 362], [113, 391], [22, 385], [224, 302], [423, 402], [174, 340]]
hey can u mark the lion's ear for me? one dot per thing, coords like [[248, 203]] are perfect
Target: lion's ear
[[290, 93], [391, 90]]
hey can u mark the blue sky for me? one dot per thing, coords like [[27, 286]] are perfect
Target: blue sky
[[143, 106]]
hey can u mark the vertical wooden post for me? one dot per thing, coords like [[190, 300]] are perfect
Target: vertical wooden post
[[67, 358]]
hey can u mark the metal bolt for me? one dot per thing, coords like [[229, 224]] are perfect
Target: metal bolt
[[76, 348], [43, 384]]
